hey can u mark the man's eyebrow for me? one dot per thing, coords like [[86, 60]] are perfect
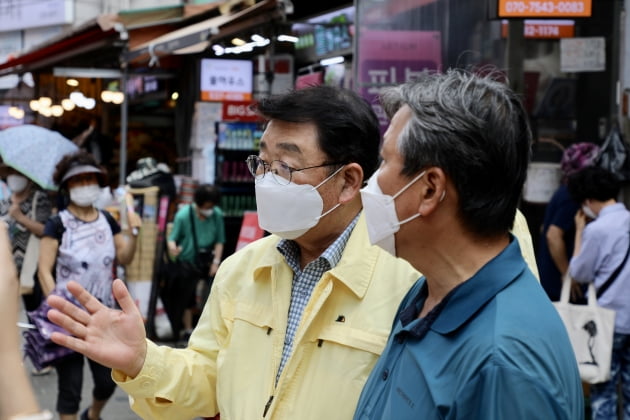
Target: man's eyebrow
[[289, 147]]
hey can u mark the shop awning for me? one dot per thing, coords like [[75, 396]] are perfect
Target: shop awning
[[195, 38], [79, 41], [100, 34]]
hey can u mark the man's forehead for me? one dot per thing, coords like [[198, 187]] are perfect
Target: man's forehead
[[290, 137]]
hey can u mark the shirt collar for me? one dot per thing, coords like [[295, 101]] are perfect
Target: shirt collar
[[611, 209], [467, 298], [291, 251]]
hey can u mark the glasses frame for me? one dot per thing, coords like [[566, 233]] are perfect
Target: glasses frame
[[279, 179]]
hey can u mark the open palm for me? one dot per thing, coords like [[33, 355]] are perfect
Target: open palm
[[111, 337]]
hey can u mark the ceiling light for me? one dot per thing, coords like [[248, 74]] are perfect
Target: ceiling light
[[56, 110], [72, 82], [332, 60], [237, 41], [45, 102], [67, 104], [288, 38]]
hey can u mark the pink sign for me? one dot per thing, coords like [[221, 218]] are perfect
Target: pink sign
[[388, 58], [310, 79]]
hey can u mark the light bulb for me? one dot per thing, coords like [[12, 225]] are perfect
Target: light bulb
[[67, 104], [56, 110], [45, 101]]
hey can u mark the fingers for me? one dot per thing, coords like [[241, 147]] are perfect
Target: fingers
[[123, 297], [68, 323], [70, 342], [84, 297], [68, 309]]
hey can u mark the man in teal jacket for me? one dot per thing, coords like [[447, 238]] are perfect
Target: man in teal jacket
[[477, 337]]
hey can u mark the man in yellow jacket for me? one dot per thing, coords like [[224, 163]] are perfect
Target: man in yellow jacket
[[295, 321]]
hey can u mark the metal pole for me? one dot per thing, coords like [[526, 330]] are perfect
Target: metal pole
[[123, 126], [515, 55]]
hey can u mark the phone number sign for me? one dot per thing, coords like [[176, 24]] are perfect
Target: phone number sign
[[548, 8]]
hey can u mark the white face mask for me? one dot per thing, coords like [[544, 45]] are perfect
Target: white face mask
[[289, 211], [85, 196], [16, 183], [588, 212], [207, 212], [380, 213]]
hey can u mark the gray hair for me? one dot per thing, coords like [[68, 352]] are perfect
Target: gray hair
[[474, 128]]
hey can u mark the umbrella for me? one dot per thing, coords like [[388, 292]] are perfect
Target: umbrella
[[34, 151]]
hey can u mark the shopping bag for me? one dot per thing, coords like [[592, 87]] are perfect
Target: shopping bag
[[591, 328], [614, 154], [29, 265], [37, 343], [31, 256]]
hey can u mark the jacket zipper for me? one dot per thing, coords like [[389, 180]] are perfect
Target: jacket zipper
[[267, 406]]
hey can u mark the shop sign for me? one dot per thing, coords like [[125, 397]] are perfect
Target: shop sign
[[544, 29], [226, 80], [17, 15], [239, 111], [389, 58], [547, 8], [582, 54]]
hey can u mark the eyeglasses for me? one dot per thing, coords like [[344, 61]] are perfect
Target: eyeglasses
[[280, 171]]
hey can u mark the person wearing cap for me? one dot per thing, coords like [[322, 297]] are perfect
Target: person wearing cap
[[81, 243], [555, 245]]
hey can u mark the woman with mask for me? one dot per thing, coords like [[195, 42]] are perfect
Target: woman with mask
[[81, 243], [25, 210], [197, 241]]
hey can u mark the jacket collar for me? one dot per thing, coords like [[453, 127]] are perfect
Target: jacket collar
[[470, 296], [355, 268]]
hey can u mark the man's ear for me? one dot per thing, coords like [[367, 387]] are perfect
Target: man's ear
[[433, 190], [352, 179]]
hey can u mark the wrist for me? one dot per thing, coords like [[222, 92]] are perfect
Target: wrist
[[216, 261]]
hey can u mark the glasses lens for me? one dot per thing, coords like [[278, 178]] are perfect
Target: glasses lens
[[281, 172], [256, 166]]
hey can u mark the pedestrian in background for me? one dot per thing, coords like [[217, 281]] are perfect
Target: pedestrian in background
[[601, 247], [476, 337], [555, 245], [81, 243], [196, 241], [26, 210]]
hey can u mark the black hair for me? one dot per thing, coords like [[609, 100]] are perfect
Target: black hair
[[594, 183], [347, 126], [207, 193]]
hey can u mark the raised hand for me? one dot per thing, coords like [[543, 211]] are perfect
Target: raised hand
[[111, 337]]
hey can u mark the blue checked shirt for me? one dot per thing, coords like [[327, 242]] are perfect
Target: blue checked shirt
[[304, 282]]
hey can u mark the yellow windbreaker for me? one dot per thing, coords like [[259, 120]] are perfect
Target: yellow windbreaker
[[233, 355]]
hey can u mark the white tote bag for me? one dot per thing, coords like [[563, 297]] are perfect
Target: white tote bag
[[31, 257], [590, 329]]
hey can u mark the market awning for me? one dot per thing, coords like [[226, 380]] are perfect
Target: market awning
[[101, 34], [195, 38], [81, 40]]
